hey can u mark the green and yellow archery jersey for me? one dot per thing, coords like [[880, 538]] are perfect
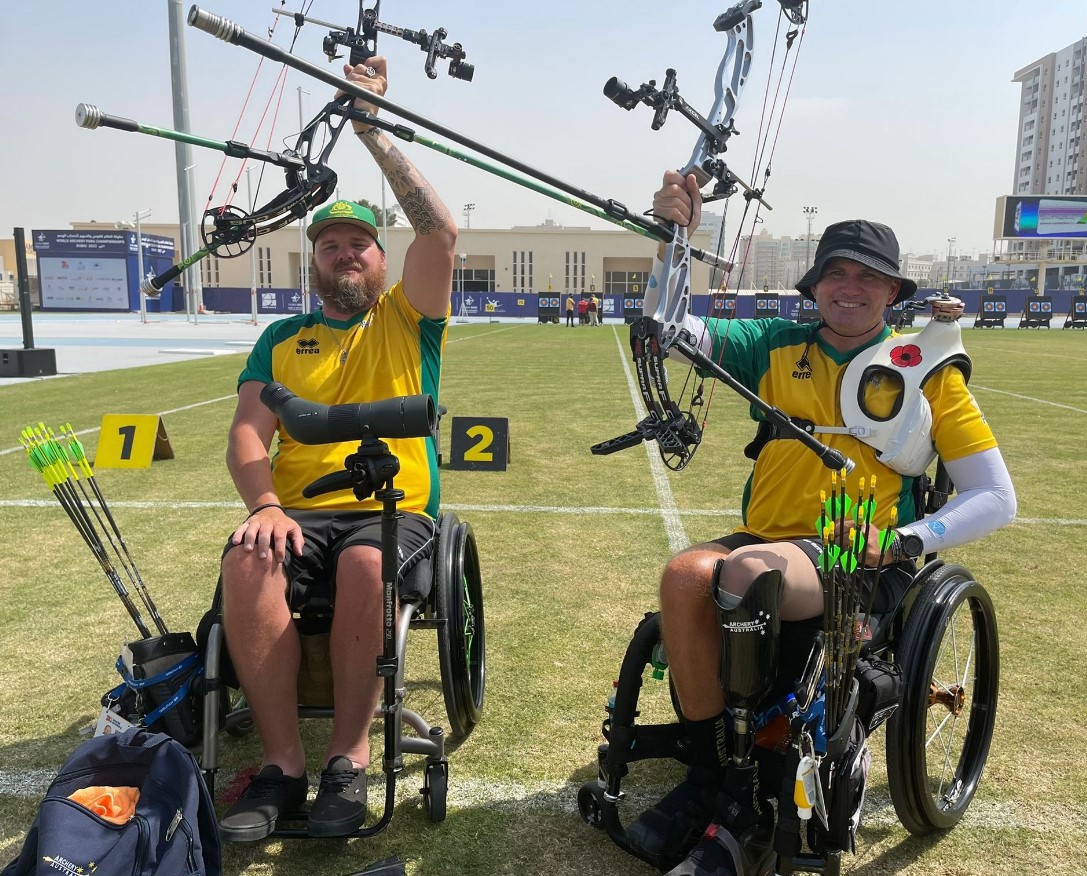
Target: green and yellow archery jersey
[[791, 368], [390, 350]]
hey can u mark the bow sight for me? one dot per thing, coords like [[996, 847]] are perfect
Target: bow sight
[[715, 132], [362, 41]]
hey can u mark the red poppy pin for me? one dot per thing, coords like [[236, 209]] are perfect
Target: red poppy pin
[[906, 356]]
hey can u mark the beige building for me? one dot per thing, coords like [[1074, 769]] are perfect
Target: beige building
[[528, 259]]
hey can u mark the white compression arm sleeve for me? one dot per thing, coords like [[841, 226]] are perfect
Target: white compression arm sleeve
[[983, 502]]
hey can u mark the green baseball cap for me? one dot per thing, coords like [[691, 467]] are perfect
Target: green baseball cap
[[343, 211]]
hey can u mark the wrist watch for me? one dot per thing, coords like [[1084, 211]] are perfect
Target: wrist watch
[[906, 546]]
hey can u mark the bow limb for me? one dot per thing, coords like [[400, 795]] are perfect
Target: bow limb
[[731, 77], [228, 231]]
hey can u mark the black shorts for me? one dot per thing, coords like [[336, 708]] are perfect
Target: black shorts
[[327, 533], [894, 580]]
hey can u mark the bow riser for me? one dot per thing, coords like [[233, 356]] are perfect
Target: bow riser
[[673, 278]]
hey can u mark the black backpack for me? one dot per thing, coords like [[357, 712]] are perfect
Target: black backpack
[[173, 832]]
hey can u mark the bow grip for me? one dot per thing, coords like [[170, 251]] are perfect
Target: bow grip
[[360, 54]]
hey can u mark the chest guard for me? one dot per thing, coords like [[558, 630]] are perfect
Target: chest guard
[[903, 435]]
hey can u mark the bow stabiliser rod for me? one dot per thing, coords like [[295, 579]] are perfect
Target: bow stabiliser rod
[[362, 41], [409, 135], [230, 32]]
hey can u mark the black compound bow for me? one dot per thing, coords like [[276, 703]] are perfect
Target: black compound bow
[[228, 231]]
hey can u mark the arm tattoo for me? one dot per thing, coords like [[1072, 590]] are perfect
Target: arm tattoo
[[422, 207], [421, 211]]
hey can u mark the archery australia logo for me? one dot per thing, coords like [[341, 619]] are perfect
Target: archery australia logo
[[308, 347], [67, 867], [757, 624]]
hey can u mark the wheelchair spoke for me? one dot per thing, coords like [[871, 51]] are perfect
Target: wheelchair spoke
[[469, 620], [947, 704]]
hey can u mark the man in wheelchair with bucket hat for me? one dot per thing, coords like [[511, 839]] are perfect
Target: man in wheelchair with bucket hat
[[804, 371]]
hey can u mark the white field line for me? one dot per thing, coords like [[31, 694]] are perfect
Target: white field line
[[1032, 354], [210, 401], [560, 797], [1029, 398], [480, 335], [498, 509], [673, 523]]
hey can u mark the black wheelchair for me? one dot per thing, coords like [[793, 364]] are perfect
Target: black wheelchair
[[454, 608], [930, 670]]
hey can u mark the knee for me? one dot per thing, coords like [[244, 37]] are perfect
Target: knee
[[687, 580], [359, 568], [358, 583], [245, 578]]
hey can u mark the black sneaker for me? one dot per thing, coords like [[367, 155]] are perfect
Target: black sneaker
[[340, 807], [270, 794], [668, 831]]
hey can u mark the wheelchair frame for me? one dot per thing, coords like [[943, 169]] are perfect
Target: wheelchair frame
[[931, 779], [454, 609]]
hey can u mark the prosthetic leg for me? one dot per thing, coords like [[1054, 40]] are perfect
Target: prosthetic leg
[[750, 630], [750, 633]]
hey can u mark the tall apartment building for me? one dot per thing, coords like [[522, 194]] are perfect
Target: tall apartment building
[[1050, 157]]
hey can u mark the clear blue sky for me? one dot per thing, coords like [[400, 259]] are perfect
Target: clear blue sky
[[902, 112]]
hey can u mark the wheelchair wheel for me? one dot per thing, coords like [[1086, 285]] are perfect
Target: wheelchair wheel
[[435, 790], [237, 729], [590, 803], [458, 604], [938, 740]]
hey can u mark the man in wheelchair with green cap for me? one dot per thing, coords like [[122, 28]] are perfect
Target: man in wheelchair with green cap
[[366, 343]]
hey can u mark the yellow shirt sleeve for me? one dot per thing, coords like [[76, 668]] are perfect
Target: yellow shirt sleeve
[[958, 425]]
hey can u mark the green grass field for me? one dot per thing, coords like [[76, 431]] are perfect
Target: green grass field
[[571, 547]]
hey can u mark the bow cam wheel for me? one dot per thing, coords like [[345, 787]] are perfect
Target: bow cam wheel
[[227, 231]]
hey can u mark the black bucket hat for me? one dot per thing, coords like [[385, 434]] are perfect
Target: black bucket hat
[[869, 243]]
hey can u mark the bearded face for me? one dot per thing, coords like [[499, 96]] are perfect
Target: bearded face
[[350, 293]]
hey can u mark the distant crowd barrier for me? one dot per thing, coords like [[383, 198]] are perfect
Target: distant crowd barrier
[[549, 307]]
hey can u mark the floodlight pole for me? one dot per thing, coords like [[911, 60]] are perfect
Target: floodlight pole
[[140, 215], [810, 213], [253, 257], [303, 264]]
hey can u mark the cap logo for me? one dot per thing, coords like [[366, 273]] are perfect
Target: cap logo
[[341, 209]]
